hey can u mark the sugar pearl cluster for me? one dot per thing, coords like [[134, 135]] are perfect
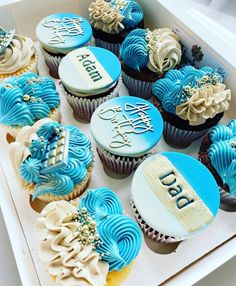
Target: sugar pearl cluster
[[152, 38]]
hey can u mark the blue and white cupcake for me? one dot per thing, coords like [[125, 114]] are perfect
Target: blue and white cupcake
[[53, 162], [93, 242], [126, 130], [174, 197], [146, 56], [218, 154], [26, 99], [89, 76], [191, 101], [60, 34], [113, 20]]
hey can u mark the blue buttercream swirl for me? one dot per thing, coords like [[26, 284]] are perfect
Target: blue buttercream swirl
[[170, 89], [30, 169], [222, 153], [61, 181], [133, 14], [27, 98], [121, 241], [101, 203], [134, 50]]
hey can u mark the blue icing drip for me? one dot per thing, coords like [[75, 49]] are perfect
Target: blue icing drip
[[121, 241], [134, 51], [29, 169], [101, 203], [15, 109], [170, 90], [59, 185], [222, 153], [37, 149], [75, 170], [48, 129]]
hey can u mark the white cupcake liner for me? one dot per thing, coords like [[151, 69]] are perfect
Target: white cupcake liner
[[226, 198], [137, 87], [78, 190], [13, 131], [83, 106], [150, 232], [52, 62], [113, 47], [120, 165], [180, 138]]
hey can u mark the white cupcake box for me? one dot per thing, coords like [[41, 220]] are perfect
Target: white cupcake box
[[188, 263]]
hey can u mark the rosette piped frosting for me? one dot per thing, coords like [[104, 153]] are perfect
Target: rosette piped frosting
[[26, 99], [115, 16], [193, 94], [81, 245], [222, 153], [158, 50], [43, 157]]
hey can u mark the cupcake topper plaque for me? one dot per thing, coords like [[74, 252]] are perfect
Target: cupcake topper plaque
[[5, 38]]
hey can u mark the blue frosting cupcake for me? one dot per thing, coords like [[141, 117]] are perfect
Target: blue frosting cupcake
[[218, 153], [113, 20], [53, 162], [191, 101], [104, 239], [60, 34], [146, 56], [26, 99]]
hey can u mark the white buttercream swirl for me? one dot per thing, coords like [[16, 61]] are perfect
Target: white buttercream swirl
[[17, 55], [68, 260], [205, 103], [105, 18], [164, 50]]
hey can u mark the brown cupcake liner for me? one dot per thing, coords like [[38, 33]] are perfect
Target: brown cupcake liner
[[150, 232], [118, 164], [78, 190], [84, 106], [13, 131], [32, 67], [53, 62], [113, 47], [138, 87], [225, 197]]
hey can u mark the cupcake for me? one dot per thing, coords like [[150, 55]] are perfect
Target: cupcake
[[92, 245], [191, 101], [178, 190], [52, 162], [146, 56], [89, 76], [26, 99], [60, 34], [111, 22], [126, 130], [17, 54], [218, 154]]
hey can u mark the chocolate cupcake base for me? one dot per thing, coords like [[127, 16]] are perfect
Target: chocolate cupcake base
[[225, 197], [113, 47], [150, 232], [178, 133], [52, 62]]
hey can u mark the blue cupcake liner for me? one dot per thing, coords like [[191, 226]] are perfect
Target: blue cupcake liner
[[113, 47], [137, 87]]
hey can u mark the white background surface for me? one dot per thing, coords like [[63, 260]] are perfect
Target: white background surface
[[225, 275]]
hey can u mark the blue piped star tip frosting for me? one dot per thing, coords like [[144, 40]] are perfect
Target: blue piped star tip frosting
[[5, 38]]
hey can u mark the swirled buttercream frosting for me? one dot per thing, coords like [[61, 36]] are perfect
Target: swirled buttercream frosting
[[193, 94], [17, 55], [101, 235], [68, 259], [158, 50], [222, 153], [115, 16], [26, 99], [43, 155]]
